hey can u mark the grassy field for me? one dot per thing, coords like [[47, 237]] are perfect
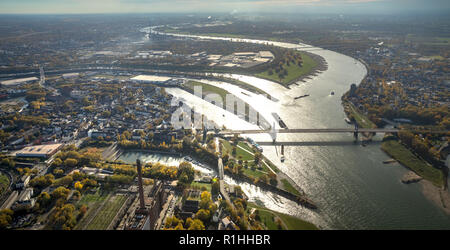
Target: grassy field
[[93, 202], [242, 154], [248, 87], [199, 185], [4, 183], [273, 167], [208, 89], [288, 222], [288, 187], [408, 159], [107, 213], [362, 120], [293, 71]]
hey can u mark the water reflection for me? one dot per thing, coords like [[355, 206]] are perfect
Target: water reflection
[[315, 143], [169, 160]]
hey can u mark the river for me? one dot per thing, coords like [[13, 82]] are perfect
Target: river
[[351, 186], [165, 159]]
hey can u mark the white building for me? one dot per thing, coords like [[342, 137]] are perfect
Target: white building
[[78, 94], [41, 151], [266, 54], [151, 79], [24, 201], [71, 75]]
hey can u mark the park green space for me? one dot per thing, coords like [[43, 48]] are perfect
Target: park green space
[[293, 71], [403, 155], [288, 222], [243, 155]]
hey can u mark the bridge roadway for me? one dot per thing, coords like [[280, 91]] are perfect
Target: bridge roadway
[[329, 130], [222, 190]]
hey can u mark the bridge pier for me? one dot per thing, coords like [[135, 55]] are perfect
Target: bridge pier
[[355, 136]]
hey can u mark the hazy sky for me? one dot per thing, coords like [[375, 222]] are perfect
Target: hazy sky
[[144, 6]]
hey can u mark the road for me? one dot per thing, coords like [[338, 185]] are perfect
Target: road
[[330, 130], [221, 174]]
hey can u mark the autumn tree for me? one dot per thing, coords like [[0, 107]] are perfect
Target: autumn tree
[[60, 192], [196, 224]]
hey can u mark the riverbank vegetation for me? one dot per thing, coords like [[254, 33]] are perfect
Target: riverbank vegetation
[[401, 153], [278, 221], [288, 187], [356, 116]]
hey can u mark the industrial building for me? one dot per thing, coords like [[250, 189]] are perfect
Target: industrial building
[[15, 82], [266, 54], [144, 212], [151, 79], [24, 201], [40, 151], [23, 182], [71, 75]]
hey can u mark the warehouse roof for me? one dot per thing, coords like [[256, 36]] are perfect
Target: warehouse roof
[[149, 78], [39, 150], [18, 81]]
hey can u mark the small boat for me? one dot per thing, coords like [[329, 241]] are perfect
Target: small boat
[[347, 120], [298, 97], [282, 158], [389, 161]]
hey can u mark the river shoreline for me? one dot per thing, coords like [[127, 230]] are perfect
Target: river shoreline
[[439, 196]]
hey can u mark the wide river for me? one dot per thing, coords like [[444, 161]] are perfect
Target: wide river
[[351, 186]]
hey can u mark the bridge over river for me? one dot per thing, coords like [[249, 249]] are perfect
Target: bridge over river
[[273, 132], [330, 130]]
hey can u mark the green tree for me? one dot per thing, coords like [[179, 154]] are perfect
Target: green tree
[[5, 218], [203, 215], [215, 187], [44, 199], [70, 162], [185, 173]]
